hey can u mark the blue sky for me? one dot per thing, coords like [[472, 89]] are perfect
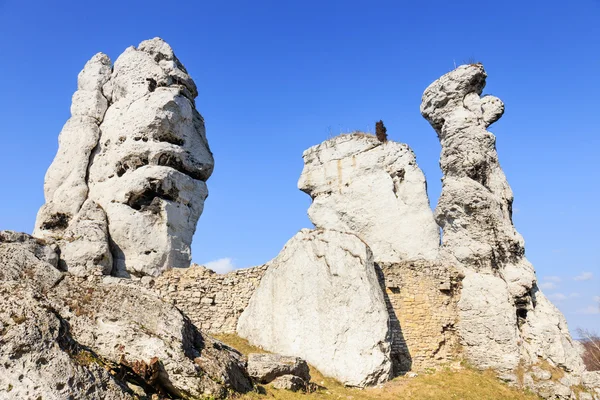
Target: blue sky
[[276, 77]]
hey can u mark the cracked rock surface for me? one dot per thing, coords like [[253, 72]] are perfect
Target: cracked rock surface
[[128, 182], [64, 336], [504, 319], [320, 300], [375, 190]]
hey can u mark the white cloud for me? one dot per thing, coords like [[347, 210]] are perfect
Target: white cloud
[[597, 299], [547, 285], [590, 310], [221, 266], [584, 276], [552, 279], [574, 295], [557, 296]]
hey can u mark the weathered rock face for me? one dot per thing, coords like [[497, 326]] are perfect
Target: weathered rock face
[[320, 300], [127, 186], [375, 190], [63, 335], [39, 357], [503, 317]]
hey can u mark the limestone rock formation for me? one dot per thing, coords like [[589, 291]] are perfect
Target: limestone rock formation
[[64, 335], [320, 300], [373, 189], [127, 186], [504, 319]]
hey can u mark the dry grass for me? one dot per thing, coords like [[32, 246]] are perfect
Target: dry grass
[[465, 384]]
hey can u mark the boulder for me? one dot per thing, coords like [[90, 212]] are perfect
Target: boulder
[[127, 185], [320, 300], [372, 189], [289, 382], [265, 367]]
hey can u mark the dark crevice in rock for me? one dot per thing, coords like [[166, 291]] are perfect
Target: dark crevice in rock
[[131, 162], [522, 304], [57, 221], [479, 173], [174, 161], [147, 199], [151, 84], [168, 137], [397, 179]]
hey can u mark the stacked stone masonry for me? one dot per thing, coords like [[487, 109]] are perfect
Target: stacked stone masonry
[[213, 301], [421, 297]]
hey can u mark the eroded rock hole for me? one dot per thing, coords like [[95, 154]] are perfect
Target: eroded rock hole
[[169, 137], [147, 199], [132, 162], [478, 173], [522, 305], [151, 84], [174, 161], [57, 221]]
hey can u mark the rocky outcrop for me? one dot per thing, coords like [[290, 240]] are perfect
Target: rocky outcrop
[[320, 300], [504, 319], [375, 190], [64, 335], [127, 186]]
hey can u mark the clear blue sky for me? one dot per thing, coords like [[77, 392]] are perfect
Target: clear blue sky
[[276, 77]]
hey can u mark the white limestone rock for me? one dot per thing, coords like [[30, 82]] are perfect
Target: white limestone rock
[[488, 323], [504, 319], [320, 300], [65, 185], [84, 246], [39, 358], [374, 190], [65, 335], [135, 150]]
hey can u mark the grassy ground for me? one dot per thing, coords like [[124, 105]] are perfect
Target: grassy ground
[[448, 383]]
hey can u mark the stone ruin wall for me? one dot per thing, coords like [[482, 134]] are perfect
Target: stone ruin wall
[[421, 298], [212, 301]]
